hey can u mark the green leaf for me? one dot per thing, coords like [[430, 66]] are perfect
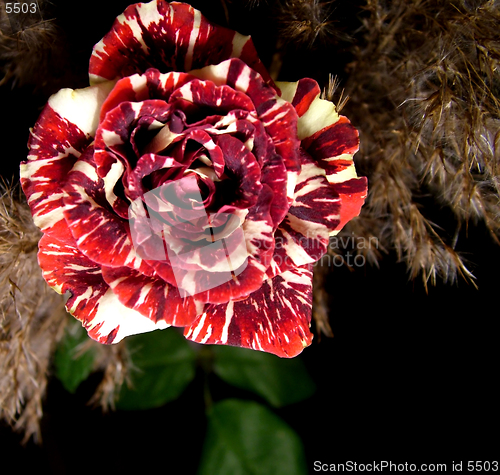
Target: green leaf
[[72, 365], [245, 438], [279, 381], [163, 365]]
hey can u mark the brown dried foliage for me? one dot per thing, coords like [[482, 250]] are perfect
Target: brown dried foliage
[[28, 49], [31, 319], [114, 363], [423, 92], [306, 22]]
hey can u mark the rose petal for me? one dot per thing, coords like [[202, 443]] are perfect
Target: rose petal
[[314, 114], [352, 195], [277, 115], [303, 236], [167, 36], [91, 300], [140, 87], [82, 106], [245, 172], [99, 233], [332, 141], [257, 230], [223, 98], [300, 94], [63, 131], [151, 297], [275, 318], [333, 148]]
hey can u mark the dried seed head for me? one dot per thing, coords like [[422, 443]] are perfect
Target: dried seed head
[[31, 319], [424, 94], [307, 22]]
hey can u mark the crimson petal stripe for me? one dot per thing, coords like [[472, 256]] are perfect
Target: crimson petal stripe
[[55, 144], [333, 148], [151, 296], [63, 131], [303, 236], [276, 115], [167, 36], [99, 233], [332, 141], [275, 318], [91, 300]]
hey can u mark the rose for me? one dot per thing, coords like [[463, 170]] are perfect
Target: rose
[[219, 156]]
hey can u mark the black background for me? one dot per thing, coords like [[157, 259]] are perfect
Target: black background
[[409, 376]]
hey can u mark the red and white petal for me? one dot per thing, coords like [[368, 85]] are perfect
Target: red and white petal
[[216, 288], [152, 297], [352, 195], [333, 149], [303, 236], [206, 93], [275, 318], [332, 141], [100, 234], [82, 107], [170, 37], [300, 94], [329, 139], [91, 300], [277, 115], [314, 113], [274, 174], [63, 131], [140, 87]]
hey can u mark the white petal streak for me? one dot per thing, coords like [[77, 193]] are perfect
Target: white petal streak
[[111, 314], [229, 316], [82, 106]]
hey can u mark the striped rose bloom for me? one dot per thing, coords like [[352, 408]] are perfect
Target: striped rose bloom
[[184, 187]]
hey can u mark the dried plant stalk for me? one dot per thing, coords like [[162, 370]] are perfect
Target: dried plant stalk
[[307, 22], [114, 361], [28, 48], [32, 318], [32, 321], [320, 301], [423, 92]]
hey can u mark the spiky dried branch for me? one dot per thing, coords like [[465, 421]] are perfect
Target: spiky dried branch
[[308, 22], [31, 318], [28, 48], [424, 94]]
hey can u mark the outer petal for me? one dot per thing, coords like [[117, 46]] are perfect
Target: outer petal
[[152, 297], [91, 300], [331, 140], [314, 113], [274, 319], [62, 132], [303, 236], [168, 37], [333, 148]]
